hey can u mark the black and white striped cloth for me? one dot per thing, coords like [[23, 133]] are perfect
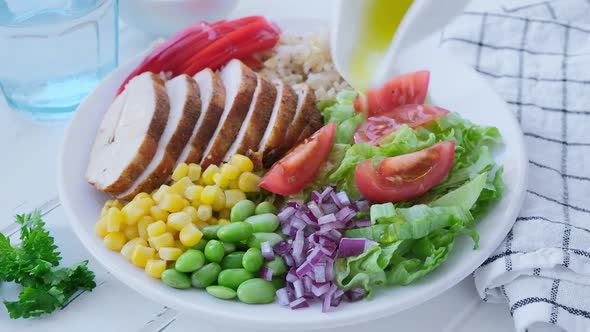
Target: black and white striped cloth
[[537, 55]]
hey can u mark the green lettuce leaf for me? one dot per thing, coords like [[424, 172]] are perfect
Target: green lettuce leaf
[[342, 112]]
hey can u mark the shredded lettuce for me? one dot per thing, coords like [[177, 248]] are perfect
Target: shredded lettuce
[[342, 112]]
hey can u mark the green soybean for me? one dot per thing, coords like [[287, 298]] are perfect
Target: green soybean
[[206, 275], [264, 223], [235, 232], [221, 292], [210, 232], [232, 278], [228, 247], [201, 245], [190, 261], [176, 279], [233, 260], [277, 265], [256, 291], [242, 210], [278, 282], [257, 238], [214, 251], [252, 260], [265, 207]]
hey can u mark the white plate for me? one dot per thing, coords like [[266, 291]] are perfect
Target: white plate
[[454, 86]]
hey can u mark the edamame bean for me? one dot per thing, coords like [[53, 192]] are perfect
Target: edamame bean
[[176, 279], [235, 232], [206, 275], [221, 292], [278, 282], [257, 238], [232, 278], [265, 207], [242, 210], [210, 232], [214, 251], [190, 261], [252, 260], [277, 265], [201, 245], [264, 223], [233, 260], [256, 291], [228, 247]]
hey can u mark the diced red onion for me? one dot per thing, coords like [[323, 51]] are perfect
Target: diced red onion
[[298, 286], [298, 244], [335, 200], [362, 223], [327, 227], [315, 209], [343, 198], [298, 224], [362, 205], [299, 303], [321, 289], [329, 218], [266, 273], [319, 272], [330, 208], [328, 298], [305, 268], [353, 247], [282, 248], [315, 256], [283, 296], [356, 294], [345, 214], [286, 214], [330, 272], [291, 276], [307, 283], [289, 260], [267, 251]]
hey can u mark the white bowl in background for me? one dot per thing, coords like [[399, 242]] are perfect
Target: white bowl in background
[[163, 18]]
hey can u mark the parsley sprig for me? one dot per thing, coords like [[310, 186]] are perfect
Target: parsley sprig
[[34, 265]]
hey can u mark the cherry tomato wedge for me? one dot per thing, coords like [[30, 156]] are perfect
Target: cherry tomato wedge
[[407, 176], [301, 165], [401, 90], [379, 126]]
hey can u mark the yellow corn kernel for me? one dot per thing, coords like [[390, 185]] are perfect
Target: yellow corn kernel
[[172, 202], [201, 224], [178, 220], [219, 203], [194, 172], [223, 222], [180, 186], [141, 196], [141, 255], [193, 193], [225, 213], [132, 213], [180, 171], [205, 212], [155, 267], [163, 240], [100, 228], [115, 241], [142, 225], [156, 228], [230, 171], [220, 180], [232, 197], [207, 176], [158, 213], [128, 248], [192, 212], [109, 204], [169, 253], [144, 201], [243, 163], [190, 235], [172, 231], [209, 194], [178, 244], [115, 218], [131, 232], [212, 221], [159, 194], [234, 184], [248, 182]]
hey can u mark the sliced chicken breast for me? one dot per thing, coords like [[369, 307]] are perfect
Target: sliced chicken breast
[[239, 82], [269, 148], [256, 120], [212, 95], [185, 107], [128, 136], [315, 122], [303, 114]]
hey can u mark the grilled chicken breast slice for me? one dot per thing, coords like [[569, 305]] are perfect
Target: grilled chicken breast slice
[[185, 107], [305, 108], [256, 121], [239, 82], [212, 95], [128, 136]]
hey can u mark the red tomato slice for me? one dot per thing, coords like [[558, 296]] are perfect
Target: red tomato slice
[[402, 90], [301, 165], [377, 127], [407, 176]]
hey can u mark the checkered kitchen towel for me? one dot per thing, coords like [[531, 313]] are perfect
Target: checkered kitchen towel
[[537, 56]]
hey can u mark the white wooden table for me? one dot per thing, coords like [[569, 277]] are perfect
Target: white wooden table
[[28, 173]]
